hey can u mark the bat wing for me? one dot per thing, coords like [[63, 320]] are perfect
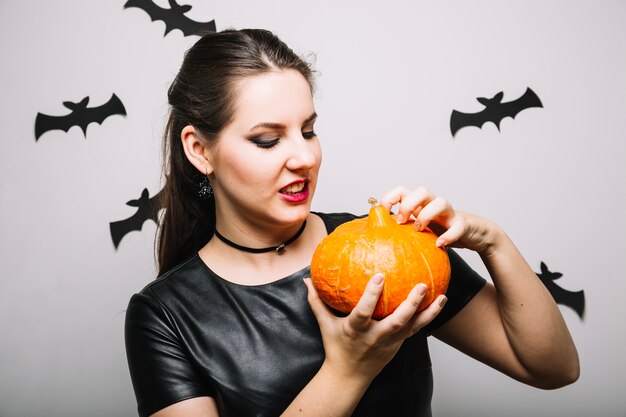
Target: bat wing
[[172, 18], [147, 210], [191, 27], [45, 123], [527, 100], [99, 114], [460, 120], [155, 205], [121, 228], [155, 12], [574, 300]]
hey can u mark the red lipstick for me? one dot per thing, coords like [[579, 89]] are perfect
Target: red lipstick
[[295, 197]]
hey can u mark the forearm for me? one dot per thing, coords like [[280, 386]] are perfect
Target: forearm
[[330, 394], [358, 347], [531, 319]]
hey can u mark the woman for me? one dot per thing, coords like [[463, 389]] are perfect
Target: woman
[[227, 330]]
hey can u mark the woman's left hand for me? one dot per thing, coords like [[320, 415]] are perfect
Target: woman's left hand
[[513, 325], [455, 228]]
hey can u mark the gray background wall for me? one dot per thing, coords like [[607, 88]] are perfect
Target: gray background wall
[[390, 74]]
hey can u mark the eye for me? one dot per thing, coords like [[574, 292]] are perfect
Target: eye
[[264, 143], [309, 135]]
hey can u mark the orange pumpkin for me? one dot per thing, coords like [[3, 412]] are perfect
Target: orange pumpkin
[[347, 258]]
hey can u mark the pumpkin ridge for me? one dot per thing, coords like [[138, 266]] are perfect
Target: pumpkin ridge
[[336, 288], [432, 279], [385, 296]]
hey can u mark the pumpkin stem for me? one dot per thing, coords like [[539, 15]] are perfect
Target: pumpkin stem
[[378, 215]]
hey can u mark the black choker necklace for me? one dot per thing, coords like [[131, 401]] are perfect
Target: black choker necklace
[[277, 249]]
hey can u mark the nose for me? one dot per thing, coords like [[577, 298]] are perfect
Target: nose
[[304, 154]]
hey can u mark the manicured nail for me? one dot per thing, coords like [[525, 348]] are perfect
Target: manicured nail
[[400, 218], [378, 279], [442, 301], [421, 289]]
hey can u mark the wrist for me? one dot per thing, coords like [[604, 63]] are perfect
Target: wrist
[[333, 391], [493, 237], [343, 376]]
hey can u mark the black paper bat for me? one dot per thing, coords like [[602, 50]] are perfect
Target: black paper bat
[[147, 209], [494, 111], [80, 116], [174, 17], [574, 300]]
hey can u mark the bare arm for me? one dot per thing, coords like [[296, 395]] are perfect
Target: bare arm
[[514, 325], [193, 407]]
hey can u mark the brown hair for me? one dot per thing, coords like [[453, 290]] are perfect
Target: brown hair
[[203, 95]]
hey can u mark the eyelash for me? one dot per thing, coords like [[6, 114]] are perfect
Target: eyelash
[[266, 144]]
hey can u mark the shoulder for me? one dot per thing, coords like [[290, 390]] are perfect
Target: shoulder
[[159, 297], [157, 341], [178, 276]]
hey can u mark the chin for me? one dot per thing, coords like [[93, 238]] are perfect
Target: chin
[[295, 215]]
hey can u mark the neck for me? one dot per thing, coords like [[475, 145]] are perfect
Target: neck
[[277, 248], [261, 268]]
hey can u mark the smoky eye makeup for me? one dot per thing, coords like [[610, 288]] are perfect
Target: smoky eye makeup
[[271, 137], [308, 130], [309, 133], [264, 141]]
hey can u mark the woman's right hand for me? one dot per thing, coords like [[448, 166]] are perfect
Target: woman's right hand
[[358, 345]]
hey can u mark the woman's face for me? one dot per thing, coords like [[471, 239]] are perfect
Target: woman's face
[[266, 160]]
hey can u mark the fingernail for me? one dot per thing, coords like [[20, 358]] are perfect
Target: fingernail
[[418, 226], [400, 218], [378, 279], [421, 289], [443, 300], [440, 243]]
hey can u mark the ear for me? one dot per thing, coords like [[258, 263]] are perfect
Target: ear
[[196, 150]]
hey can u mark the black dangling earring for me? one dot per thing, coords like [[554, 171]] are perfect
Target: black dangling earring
[[206, 190]]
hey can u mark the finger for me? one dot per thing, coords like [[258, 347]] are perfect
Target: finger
[[393, 197], [318, 306], [424, 317], [438, 208], [413, 203], [402, 315], [361, 315], [421, 319], [453, 234]]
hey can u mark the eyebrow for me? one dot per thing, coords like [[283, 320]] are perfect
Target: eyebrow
[[271, 125]]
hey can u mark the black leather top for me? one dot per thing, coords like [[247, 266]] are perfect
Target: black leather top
[[191, 333]]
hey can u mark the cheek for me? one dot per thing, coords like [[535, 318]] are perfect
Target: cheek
[[318, 151], [248, 169], [232, 167]]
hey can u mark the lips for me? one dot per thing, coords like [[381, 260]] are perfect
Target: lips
[[296, 191], [294, 188]]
